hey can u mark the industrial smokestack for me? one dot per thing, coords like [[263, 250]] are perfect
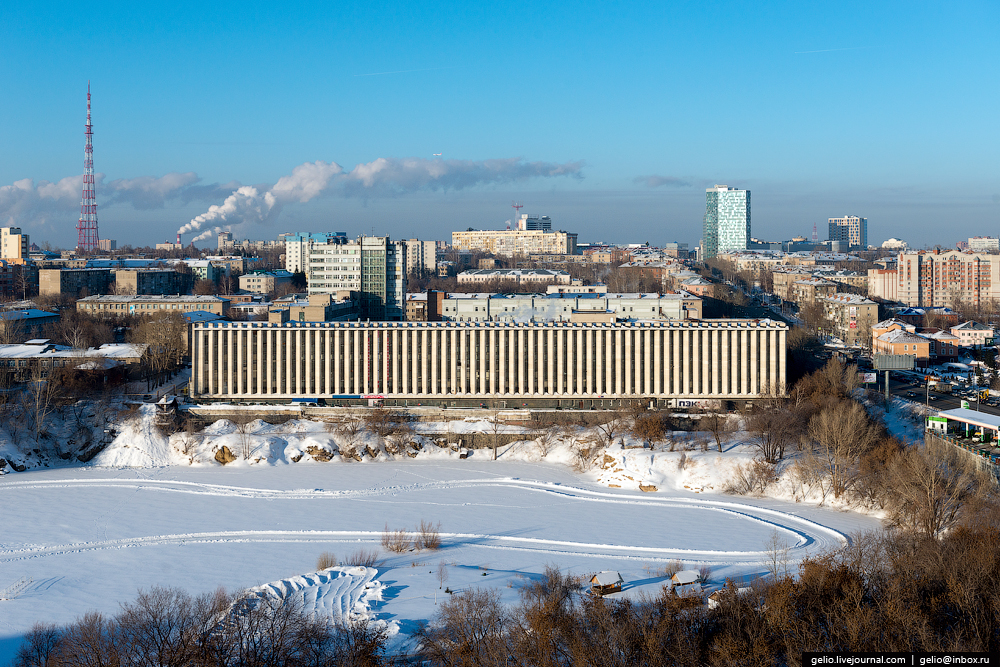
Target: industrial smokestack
[[178, 239]]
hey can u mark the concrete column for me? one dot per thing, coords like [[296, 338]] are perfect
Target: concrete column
[[578, 383], [503, 381], [755, 361], [588, 359], [494, 339], [620, 362], [531, 348], [384, 384], [518, 358], [734, 361], [609, 362], [658, 361], [744, 354], [571, 353], [405, 344], [781, 359], [305, 381], [686, 352], [435, 361], [337, 387], [628, 359], [484, 350], [464, 371], [356, 361]]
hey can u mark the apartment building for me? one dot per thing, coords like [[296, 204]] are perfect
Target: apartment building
[[115, 305], [851, 230], [74, 282], [567, 307], [851, 317], [152, 281], [515, 242], [583, 364], [13, 245], [264, 282], [421, 257], [973, 334], [518, 276], [933, 279]]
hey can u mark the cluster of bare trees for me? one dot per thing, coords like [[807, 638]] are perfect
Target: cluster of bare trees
[[887, 591], [169, 627], [166, 338]]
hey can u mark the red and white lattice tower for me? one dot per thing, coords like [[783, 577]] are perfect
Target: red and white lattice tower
[[517, 206], [815, 236], [87, 227]]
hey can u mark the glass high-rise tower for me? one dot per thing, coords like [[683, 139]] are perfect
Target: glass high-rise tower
[[727, 220]]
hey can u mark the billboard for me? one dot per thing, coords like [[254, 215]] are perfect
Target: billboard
[[698, 404], [869, 377]]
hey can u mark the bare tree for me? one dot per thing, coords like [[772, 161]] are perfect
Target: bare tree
[[719, 425], [930, 487], [496, 425], [842, 432], [771, 430]]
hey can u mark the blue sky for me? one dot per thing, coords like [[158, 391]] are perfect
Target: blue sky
[[610, 117]]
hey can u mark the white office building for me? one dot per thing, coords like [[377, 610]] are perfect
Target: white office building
[[727, 220]]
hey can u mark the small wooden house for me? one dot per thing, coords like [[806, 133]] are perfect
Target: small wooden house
[[686, 583], [603, 583]]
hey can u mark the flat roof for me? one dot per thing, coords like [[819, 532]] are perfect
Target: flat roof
[[974, 417]]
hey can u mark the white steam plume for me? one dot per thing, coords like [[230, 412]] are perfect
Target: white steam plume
[[207, 234], [381, 177]]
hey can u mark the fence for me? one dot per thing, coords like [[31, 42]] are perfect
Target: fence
[[15, 589], [983, 456]]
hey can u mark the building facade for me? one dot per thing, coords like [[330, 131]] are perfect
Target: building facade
[[519, 276], [74, 282], [933, 279], [850, 229], [114, 305], [727, 220], [13, 245], [851, 317], [297, 248], [152, 281], [735, 359], [983, 244], [555, 307], [515, 242], [421, 257], [264, 282], [528, 222]]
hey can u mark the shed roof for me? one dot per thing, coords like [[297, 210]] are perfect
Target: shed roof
[[607, 578], [973, 417], [686, 577]]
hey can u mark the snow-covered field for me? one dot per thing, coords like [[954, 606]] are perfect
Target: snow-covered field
[[90, 537]]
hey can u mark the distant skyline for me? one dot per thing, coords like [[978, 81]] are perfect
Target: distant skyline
[[610, 119]]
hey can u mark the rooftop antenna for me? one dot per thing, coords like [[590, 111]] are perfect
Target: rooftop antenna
[[517, 206], [86, 228]]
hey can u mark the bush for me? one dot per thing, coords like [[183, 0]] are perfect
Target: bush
[[670, 568], [428, 536], [396, 541], [325, 560], [364, 558]]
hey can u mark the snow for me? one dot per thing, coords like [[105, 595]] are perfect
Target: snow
[[156, 510]]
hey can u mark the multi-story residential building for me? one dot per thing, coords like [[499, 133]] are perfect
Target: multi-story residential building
[[942, 345], [74, 282], [264, 282], [973, 334], [297, 248], [151, 281], [883, 284], [570, 307], [534, 222], [442, 363], [315, 308], [515, 242], [13, 245], [983, 244], [852, 316], [809, 290], [676, 249], [518, 276], [421, 257], [372, 266], [850, 229], [116, 305], [107, 245], [227, 243], [727, 220], [932, 279]]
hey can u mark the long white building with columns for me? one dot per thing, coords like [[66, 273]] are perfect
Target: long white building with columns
[[531, 364]]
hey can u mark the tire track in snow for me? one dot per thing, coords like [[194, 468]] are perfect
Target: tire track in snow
[[779, 520], [462, 540]]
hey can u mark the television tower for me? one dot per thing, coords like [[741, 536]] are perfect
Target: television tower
[[517, 206], [87, 227]]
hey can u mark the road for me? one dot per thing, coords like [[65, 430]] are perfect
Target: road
[[943, 402]]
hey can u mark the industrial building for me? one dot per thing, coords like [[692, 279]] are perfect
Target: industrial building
[[576, 365]]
